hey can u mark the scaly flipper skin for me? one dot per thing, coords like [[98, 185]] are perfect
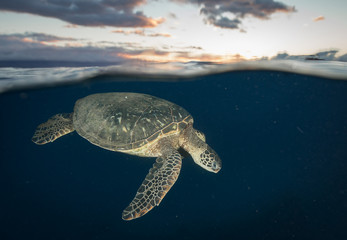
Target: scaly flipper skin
[[159, 180], [56, 127]]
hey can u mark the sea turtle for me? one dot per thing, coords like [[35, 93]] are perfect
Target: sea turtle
[[137, 124]]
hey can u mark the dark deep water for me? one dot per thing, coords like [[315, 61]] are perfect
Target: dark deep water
[[282, 138]]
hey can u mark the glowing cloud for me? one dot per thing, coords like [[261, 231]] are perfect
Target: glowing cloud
[[141, 33], [320, 18]]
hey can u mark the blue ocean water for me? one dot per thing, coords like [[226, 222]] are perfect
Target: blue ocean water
[[282, 138]]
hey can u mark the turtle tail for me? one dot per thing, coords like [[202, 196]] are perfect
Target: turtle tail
[[56, 127]]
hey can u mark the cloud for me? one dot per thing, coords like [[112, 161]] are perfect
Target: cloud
[[229, 13], [36, 47], [11, 44], [71, 26], [14, 47], [42, 47], [172, 15], [172, 55], [173, 48], [320, 18], [18, 47], [38, 37], [136, 32], [117, 13], [159, 35], [141, 33]]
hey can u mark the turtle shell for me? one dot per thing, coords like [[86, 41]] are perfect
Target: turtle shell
[[126, 121]]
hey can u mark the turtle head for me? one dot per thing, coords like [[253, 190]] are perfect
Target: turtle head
[[202, 154], [207, 158]]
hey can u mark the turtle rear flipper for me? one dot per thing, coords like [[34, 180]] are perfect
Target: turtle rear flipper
[[161, 177], [56, 127]]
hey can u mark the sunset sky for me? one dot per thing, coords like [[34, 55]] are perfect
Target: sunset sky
[[170, 30]]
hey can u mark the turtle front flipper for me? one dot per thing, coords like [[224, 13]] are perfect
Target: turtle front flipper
[[56, 127], [159, 180]]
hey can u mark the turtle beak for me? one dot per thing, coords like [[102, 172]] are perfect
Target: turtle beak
[[215, 168]]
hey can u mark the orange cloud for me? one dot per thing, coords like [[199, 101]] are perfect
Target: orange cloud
[[28, 40], [153, 22], [320, 18], [118, 31], [75, 44], [159, 35], [141, 33]]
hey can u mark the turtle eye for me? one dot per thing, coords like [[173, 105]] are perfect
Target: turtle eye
[[214, 165]]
